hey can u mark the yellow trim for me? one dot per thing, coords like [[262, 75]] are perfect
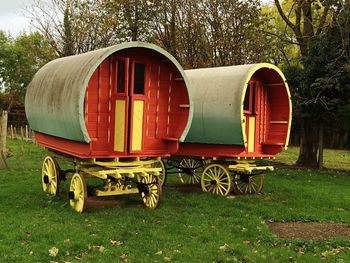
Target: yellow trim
[[249, 76], [184, 105], [249, 168], [119, 130], [251, 135], [279, 122], [244, 124], [137, 125], [117, 162]]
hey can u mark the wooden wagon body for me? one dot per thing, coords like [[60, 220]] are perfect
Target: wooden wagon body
[[123, 101], [113, 112], [239, 111]]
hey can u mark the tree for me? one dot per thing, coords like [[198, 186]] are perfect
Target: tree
[[311, 19], [74, 26], [211, 33], [20, 58], [68, 41], [327, 72]]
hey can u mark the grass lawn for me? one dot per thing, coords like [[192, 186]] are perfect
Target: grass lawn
[[189, 226], [333, 159]]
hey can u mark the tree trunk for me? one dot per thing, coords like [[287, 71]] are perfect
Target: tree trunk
[[308, 150], [320, 147]]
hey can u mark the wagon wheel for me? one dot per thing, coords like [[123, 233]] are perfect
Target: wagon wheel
[[50, 176], [151, 191], [190, 171], [163, 174], [78, 193], [249, 183], [216, 179]]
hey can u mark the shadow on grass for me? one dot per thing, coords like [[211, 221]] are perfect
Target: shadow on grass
[[185, 188]]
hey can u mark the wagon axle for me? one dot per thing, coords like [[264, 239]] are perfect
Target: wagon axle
[[143, 189], [213, 182], [46, 179], [71, 195]]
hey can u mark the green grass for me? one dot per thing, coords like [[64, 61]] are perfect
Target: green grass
[[333, 159], [189, 226]]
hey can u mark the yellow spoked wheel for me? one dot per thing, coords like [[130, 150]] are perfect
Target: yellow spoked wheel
[[216, 179], [78, 193], [151, 191], [163, 174], [190, 171], [50, 176], [249, 183]]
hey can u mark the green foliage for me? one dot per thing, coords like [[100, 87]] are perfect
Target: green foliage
[[328, 73], [189, 226], [20, 58], [283, 51]]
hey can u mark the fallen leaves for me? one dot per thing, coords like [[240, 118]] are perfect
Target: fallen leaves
[[53, 251], [331, 252], [116, 242], [301, 251], [123, 257], [101, 248], [224, 247]]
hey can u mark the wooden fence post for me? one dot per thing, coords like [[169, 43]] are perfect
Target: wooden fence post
[[3, 135], [12, 132], [22, 133], [27, 135]]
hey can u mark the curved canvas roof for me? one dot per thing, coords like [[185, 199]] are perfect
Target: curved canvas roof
[[55, 97], [218, 97]]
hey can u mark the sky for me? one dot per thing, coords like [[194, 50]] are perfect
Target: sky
[[12, 17]]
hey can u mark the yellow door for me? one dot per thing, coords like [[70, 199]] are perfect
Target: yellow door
[[120, 93], [251, 133], [137, 125], [137, 101], [129, 89], [119, 130]]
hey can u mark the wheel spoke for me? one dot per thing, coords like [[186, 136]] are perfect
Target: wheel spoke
[[219, 188], [196, 177]]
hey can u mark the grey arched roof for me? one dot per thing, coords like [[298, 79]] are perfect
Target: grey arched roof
[[218, 97], [55, 97]]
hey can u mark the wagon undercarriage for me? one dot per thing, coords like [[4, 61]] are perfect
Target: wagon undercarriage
[[221, 176], [119, 177]]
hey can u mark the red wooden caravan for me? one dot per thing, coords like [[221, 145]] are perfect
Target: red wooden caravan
[[241, 113], [122, 101], [107, 106]]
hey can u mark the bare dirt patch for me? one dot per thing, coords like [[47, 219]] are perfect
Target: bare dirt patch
[[309, 230]]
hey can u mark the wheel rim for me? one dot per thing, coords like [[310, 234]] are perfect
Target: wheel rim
[[77, 193], [249, 184], [50, 176], [153, 191], [163, 174], [216, 179], [190, 171]]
